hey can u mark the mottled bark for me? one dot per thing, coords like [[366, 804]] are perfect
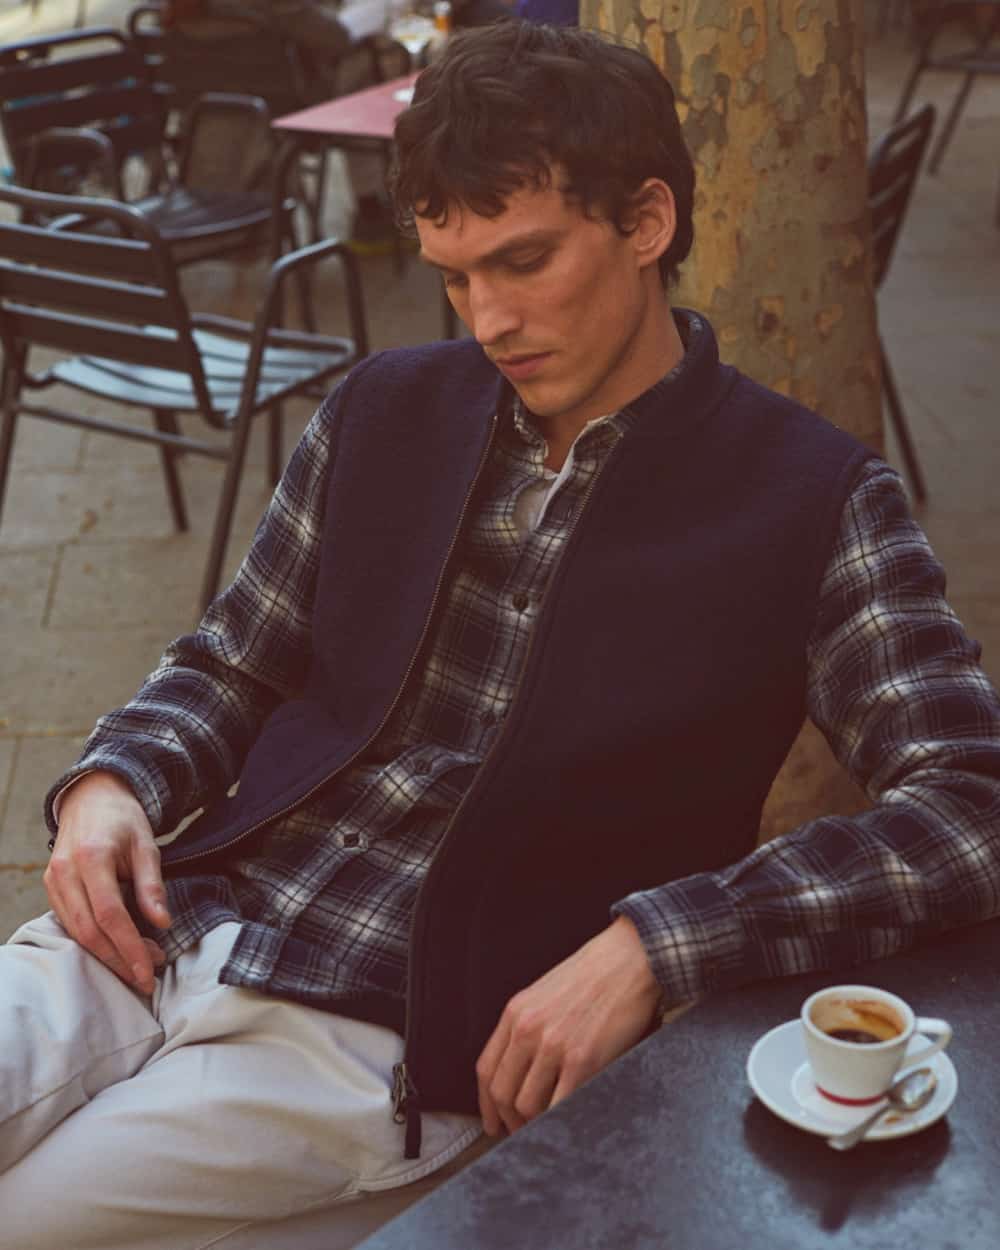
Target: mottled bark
[[771, 95]]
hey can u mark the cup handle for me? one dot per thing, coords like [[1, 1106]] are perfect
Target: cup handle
[[939, 1029]]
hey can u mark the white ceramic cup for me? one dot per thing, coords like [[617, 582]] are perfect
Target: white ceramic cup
[[852, 1071]]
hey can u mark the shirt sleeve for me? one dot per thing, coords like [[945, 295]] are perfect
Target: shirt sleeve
[[181, 740], [894, 684]]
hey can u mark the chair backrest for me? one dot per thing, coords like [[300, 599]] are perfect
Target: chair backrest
[[86, 78], [893, 166], [227, 144], [113, 296], [84, 158]]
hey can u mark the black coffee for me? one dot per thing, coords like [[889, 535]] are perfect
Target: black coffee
[[861, 1037]]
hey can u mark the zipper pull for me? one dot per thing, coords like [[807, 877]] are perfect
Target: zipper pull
[[406, 1109]]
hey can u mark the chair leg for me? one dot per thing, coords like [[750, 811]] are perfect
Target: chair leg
[[166, 423], [10, 386], [303, 282], [319, 201], [951, 121], [899, 425], [314, 204], [8, 420], [909, 88], [224, 510], [306, 311], [275, 430], [275, 420]]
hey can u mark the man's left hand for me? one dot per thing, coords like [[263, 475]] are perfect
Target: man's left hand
[[568, 1025]]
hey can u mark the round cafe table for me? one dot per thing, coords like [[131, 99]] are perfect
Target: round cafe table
[[668, 1149]]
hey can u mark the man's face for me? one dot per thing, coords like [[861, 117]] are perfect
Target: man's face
[[570, 310]]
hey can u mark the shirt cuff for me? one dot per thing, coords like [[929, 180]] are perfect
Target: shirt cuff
[[692, 935], [57, 797], [138, 782]]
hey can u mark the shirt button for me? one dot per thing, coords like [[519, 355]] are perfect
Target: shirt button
[[353, 841], [422, 767], [488, 719], [520, 602]]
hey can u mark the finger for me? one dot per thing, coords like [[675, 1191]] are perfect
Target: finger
[[147, 880], [571, 1076], [111, 915], [535, 1094], [506, 1084], [70, 904], [486, 1066]]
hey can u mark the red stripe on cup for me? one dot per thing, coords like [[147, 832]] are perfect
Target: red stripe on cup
[[850, 1102]]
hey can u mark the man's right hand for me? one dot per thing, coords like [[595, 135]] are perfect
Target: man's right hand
[[104, 838]]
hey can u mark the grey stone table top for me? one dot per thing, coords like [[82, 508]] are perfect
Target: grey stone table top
[[669, 1147]]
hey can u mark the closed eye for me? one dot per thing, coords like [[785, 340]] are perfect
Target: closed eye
[[528, 264]]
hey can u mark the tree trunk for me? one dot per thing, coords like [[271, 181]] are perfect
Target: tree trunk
[[771, 96]]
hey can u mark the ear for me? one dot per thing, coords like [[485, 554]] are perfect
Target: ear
[[652, 220]]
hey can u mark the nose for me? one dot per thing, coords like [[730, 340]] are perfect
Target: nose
[[490, 313]]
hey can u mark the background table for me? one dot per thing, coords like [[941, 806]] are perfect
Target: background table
[[668, 1149], [367, 114]]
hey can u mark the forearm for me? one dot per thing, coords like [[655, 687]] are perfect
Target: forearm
[[834, 892], [171, 756], [181, 740], [895, 685]]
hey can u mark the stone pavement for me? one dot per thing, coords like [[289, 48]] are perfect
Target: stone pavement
[[93, 580]]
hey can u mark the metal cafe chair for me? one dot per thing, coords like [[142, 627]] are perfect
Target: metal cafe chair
[[893, 167], [206, 197], [979, 56], [112, 309], [77, 108], [254, 57]]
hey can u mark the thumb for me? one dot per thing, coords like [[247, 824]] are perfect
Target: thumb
[[147, 881]]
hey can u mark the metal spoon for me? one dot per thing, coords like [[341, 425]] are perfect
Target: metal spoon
[[909, 1093]]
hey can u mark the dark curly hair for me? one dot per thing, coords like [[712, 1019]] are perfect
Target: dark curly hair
[[507, 102]]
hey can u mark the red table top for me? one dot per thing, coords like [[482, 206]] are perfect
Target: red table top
[[367, 114]]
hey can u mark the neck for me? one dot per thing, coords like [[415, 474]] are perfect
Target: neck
[[666, 350]]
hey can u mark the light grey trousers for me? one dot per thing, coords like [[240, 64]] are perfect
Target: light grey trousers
[[206, 1115]]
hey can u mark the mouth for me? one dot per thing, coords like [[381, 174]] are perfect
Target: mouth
[[522, 366]]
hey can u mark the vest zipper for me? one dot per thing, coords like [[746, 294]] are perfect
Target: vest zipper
[[406, 1097], [402, 685], [406, 1108]]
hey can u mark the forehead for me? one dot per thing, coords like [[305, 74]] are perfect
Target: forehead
[[467, 235]]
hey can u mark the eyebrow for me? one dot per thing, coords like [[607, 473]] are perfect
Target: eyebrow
[[531, 238]]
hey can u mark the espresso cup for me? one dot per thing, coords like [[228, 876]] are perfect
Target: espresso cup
[[856, 1038]]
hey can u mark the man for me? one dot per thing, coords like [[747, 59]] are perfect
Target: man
[[520, 644]]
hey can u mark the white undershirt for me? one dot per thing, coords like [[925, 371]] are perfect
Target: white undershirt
[[533, 501]]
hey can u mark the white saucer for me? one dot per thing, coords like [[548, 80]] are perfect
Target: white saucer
[[782, 1080]]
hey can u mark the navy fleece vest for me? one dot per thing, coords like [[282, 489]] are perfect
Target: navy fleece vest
[[663, 687]]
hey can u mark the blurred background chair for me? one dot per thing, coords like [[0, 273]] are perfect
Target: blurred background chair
[[81, 115], [80, 79], [980, 54], [893, 168], [112, 311], [188, 51], [206, 197]]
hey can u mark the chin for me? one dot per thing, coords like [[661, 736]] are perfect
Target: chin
[[542, 401]]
